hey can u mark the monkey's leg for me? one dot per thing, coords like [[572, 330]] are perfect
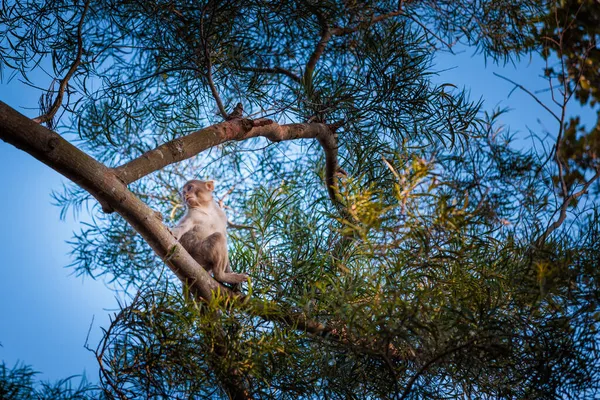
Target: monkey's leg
[[214, 249], [195, 246], [237, 288]]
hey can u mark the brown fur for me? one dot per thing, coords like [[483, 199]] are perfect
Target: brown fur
[[202, 231]]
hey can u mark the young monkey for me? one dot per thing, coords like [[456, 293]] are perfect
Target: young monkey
[[202, 231]]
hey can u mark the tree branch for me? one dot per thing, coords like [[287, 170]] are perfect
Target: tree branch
[[64, 82], [236, 129], [274, 70], [107, 186], [326, 34], [209, 76], [565, 205], [530, 94], [270, 311], [431, 362], [340, 31], [102, 183], [429, 31], [190, 145]]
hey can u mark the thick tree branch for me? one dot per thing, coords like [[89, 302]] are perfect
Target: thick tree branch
[[182, 148], [191, 145], [65, 81], [102, 183], [332, 168], [237, 129], [106, 186]]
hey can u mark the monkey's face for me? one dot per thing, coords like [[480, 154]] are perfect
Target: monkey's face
[[196, 193]]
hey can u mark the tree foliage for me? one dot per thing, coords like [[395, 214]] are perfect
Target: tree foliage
[[569, 36], [18, 383], [422, 256]]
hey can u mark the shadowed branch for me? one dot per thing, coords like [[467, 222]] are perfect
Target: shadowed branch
[[49, 115]]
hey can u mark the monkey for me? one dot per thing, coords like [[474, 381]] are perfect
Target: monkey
[[203, 231]]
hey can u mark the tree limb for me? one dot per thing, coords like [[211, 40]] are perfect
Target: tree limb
[[326, 34], [190, 145], [104, 184], [107, 186], [565, 205], [236, 129]]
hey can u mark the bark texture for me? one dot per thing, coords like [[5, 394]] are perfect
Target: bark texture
[[237, 129], [102, 183], [109, 187]]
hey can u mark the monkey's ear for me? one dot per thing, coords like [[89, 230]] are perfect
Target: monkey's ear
[[210, 185]]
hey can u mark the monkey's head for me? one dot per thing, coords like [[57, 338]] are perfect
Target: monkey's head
[[195, 193]]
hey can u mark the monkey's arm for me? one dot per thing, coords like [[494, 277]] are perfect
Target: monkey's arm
[[182, 227]]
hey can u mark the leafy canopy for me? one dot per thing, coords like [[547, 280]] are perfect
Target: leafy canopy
[[433, 270]]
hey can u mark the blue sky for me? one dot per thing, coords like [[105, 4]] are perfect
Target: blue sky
[[45, 311]]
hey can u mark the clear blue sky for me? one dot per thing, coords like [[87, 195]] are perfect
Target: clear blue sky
[[45, 312]]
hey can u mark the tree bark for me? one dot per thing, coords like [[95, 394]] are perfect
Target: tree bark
[[104, 184], [109, 187], [237, 129]]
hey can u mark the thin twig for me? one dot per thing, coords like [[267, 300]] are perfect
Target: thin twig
[[209, 76], [154, 75], [339, 31], [99, 353], [237, 226], [274, 70], [429, 363], [529, 93], [221, 201], [559, 137], [65, 81], [565, 205], [426, 29], [213, 89]]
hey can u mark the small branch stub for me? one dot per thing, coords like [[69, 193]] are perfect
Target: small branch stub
[[237, 112]]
